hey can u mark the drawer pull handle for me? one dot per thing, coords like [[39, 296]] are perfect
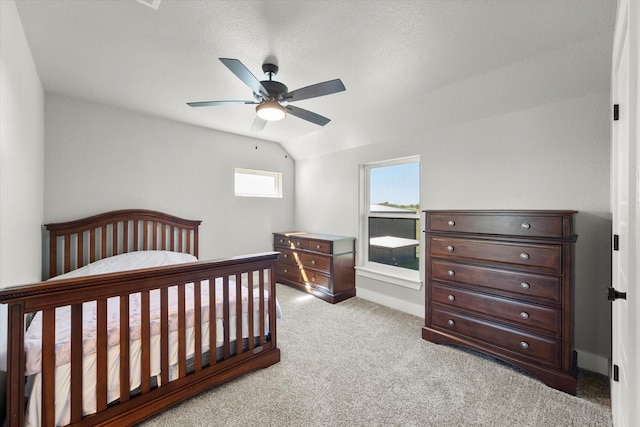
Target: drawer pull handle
[[524, 285], [451, 298], [281, 240], [451, 273], [286, 271], [297, 243], [524, 345], [450, 248], [313, 262], [524, 255], [451, 223], [317, 246], [286, 255], [524, 315], [450, 322], [313, 279], [525, 226]]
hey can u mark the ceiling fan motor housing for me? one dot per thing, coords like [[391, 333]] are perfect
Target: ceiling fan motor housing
[[275, 89]]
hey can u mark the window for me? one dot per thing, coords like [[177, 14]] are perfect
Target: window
[[390, 227], [254, 183]]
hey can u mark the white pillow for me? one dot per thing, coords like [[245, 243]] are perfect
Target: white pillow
[[129, 261]]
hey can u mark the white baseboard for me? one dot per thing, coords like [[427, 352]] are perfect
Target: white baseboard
[[391, 302], [593, 362], [586, 360]]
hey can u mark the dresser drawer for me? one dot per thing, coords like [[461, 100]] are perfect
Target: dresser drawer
[[537, 348], [319, 246], [518, 284], [547, 257], [287, 271], [290, 241], [314, 278], [545, 319], [548, 226], [288, 256], [280, 240], [315, 261]]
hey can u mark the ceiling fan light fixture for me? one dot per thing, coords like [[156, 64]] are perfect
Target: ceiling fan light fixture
[[270, 111]]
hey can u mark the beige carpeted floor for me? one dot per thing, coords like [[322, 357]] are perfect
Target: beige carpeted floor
[[361, 364]]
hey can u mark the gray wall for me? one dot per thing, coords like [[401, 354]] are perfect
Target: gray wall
[[21, 155], [21, 166], [100, 158]]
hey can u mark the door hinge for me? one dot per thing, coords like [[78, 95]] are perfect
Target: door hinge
[[613, 295], [616, 373], [616, 242], [616, 111]]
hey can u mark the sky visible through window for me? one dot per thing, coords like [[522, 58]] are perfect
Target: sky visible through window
[[397, 184]]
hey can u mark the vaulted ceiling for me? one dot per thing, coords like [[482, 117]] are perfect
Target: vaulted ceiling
[[397, 59]]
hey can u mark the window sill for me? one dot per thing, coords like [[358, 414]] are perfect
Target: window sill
[[408, 279]]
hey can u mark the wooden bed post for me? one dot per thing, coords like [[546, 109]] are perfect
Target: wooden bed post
[[15, 365]]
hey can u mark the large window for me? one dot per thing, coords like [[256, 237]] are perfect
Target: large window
[[391, 217], [254, 183]]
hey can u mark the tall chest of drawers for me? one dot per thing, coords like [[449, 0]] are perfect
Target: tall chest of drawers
[[320, 264], [501, 282]]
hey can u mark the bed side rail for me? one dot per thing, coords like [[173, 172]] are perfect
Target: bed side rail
[[195, 372]]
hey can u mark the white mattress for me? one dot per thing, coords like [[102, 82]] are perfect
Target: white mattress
[[121, 263]]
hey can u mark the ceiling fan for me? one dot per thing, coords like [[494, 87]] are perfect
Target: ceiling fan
[[272, 98]]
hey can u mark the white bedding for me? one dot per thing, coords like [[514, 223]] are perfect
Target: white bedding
[[134, 260]]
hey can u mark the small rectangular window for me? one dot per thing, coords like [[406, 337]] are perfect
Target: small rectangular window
[[255, 183]]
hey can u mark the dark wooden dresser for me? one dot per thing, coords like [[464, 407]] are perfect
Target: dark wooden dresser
[[501, 282], [320, 264]]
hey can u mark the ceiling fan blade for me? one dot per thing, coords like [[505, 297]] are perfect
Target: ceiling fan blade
[[246, 76], [213, 103], [258, 124], [318, 89], [307, 115]]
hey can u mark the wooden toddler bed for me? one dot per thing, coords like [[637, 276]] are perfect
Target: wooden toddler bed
[[65, 364]]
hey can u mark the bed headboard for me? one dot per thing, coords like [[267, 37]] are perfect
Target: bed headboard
[[76, 243]]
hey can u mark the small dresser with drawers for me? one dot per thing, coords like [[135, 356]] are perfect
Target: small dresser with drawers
[[320, 264], [501, 282]]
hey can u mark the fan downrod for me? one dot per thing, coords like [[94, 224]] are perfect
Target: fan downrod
[[270, 69]]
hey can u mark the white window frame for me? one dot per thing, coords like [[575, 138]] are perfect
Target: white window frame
[[277, 183], [387, 273]]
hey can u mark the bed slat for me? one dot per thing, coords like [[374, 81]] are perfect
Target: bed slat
[[92, 245], [238, 337], [67, 255], [145, 349], [250, 320], [124, 350], [125, 237], [103, 240], [136, 229], [213, 325], [49, 365], [226, 351], [197, 323], [80, 251], [182, 339], [164, 335], [76, 362], [262, 308], [101, 354]]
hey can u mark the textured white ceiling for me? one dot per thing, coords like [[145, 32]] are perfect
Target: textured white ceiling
[[392, 56]]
